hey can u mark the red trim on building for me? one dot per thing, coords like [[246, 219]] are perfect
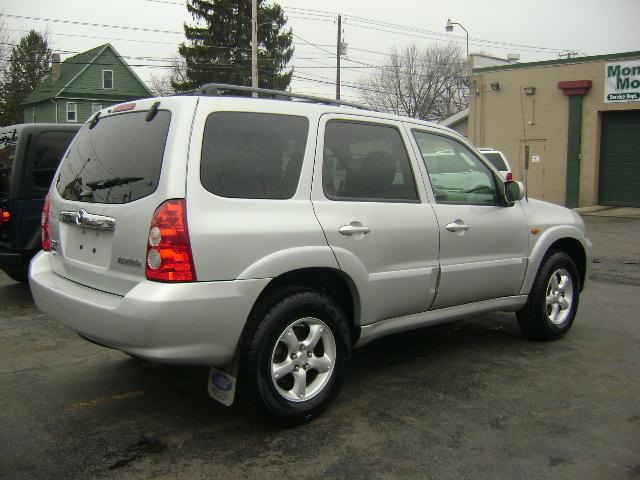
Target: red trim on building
[[575, 87]]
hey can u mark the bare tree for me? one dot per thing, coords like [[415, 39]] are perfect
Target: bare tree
[[7, 42], [430, 83], [161, 85]]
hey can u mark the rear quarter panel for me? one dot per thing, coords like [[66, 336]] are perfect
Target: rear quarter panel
[[244, 238]]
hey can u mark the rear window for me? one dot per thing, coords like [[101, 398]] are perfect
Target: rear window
[[8, 142], [117, 161], [48, 150], [496, 160], [253, 155]]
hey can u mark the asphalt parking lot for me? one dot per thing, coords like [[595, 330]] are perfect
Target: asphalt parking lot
[[472, 399]]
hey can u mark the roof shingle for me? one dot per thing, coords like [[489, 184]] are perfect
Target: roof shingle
[[69, 68]]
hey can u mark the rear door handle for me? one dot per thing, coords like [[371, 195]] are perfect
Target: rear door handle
[[457, 227], [353, 229]]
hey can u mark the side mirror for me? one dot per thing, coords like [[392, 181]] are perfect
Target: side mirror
[[513, 191]]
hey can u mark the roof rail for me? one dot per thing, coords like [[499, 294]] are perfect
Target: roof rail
[[213, 89]]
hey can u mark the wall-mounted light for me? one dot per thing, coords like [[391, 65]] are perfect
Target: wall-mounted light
[[495, 86], [529, 90]]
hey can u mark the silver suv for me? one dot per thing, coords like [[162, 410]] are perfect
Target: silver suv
[[266, 238]]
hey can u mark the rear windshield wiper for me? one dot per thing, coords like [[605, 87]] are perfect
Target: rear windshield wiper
[[112, 182]]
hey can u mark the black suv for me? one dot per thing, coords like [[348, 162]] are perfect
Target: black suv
[[29, 157]]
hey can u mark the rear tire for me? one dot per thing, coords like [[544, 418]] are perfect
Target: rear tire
[[295, 356], [553, 300]]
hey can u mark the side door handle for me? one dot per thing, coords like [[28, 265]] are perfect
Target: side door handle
[[353, 229], [457, 226]]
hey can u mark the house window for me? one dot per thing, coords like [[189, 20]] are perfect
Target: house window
[[72, 112], [95, 107], [107, 78]]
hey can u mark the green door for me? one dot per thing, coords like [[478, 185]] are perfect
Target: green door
[[619, 182]]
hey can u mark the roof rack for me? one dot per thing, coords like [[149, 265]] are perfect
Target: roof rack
[[214, 89]]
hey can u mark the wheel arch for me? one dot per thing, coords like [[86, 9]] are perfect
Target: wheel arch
[[576, 251], [562, 238], [331, 281]]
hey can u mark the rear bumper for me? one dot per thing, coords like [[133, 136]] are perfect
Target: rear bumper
[[11, 260], [184, 323]]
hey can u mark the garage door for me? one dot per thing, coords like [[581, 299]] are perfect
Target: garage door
[[619, 182]]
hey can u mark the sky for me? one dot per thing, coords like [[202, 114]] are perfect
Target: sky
[[537, 30]]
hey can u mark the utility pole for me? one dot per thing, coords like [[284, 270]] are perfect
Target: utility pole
[[338, 51], [254, 45]]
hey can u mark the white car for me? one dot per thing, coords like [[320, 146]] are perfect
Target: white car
[[266, 238], [498, 160]]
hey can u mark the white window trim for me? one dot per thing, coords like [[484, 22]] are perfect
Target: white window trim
[[94, 109], [112, 82], [74, 110]]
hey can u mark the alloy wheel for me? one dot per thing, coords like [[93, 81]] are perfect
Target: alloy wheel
[[303, 359], [559, 296]]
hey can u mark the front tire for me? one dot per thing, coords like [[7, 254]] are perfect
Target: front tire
[[296, 355], [553, 300]]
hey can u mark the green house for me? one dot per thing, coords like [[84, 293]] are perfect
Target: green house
[[82, 85]]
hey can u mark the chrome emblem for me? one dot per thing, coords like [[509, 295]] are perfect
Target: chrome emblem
[[131, 262], [82, 214]]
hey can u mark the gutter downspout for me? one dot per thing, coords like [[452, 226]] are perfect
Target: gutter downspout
[[56, 104]]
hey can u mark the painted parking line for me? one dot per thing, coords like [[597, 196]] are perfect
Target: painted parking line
[[105, 400]]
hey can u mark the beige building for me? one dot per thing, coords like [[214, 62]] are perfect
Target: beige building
[[578, 119]]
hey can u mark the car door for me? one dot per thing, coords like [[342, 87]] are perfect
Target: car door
[[483, 242], [375, 215]]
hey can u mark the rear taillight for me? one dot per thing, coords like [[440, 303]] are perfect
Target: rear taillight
[[44, 225], [5, 216], [509, 176], [168, 248]]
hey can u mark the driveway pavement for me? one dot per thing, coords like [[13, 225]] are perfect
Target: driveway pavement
[[472, 399]]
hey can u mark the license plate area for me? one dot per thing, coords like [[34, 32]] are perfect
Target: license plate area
[[87, 245]]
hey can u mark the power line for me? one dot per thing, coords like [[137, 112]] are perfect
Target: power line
[[358, 22], [90, 24], [446, 36], [426, 33], [364, 22]]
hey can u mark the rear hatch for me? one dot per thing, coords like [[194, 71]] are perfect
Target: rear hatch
[[112, 178], [8, 145]]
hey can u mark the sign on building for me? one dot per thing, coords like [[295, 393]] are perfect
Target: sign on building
[[622, 82]]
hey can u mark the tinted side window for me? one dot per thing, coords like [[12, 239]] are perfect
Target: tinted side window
[[8, 142], [456, 174], [117, 161], [366, 162], [48, 151], [253, 155]]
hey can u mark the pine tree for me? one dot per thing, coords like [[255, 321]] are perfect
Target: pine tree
[[29, 64], [220, 49]]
